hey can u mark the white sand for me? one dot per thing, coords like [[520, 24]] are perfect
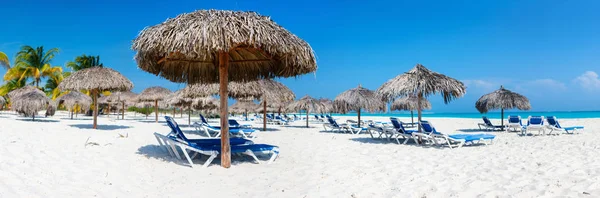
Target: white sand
[[50, 159]]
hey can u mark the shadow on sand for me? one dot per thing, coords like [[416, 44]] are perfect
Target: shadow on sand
[[100, 127], [369, 140], [36, 120], [74, 118], [161, 153]]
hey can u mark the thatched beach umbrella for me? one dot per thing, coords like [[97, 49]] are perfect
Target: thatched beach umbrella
[[411, 104], [2, 101], [421, 82], [327, 104], [209, 46], [17, 92], [358, 99], [244, 106], [502, 99], [96, 79], [73, 98], [154, 94], [307, 103], [123, 97], [30, 103]]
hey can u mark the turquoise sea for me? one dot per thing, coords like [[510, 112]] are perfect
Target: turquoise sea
[[492, 115]]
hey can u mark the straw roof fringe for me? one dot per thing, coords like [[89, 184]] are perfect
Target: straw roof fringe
[[269, 90], [307, 103], [154, 93], [122, 96], [101, 78], [358, 98], [185, 48], [2, 101], [205, 103], [30, 103], [51, 108], [502, 99], [17, 92], [424, 81], [410, 104], [75, 98]]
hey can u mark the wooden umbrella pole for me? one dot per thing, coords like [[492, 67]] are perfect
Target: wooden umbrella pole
[[95, 95], [502, 117], [190, 115], [123, 110], [173, 112], [108, 115], [420, 95], [223, 93], [264, 115], [306, 117], [358, 117], [412, 117]]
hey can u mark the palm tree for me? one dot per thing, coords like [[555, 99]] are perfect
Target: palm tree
[[52, 83], [83, 62], [11, 85], [4, 62], [33, 63]]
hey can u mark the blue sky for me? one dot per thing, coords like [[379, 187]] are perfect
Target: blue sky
[[547, 50]]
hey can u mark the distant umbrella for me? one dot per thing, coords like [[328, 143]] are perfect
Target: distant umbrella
[[154, 94], [123, 97], [502, 99], [2, 101], [358, 99], [30, 103], [244, 106], [73, 98], [96, 79], [17, 92], [327, 104], [421, 82], [209, 46], [411, 104], [307, 103]]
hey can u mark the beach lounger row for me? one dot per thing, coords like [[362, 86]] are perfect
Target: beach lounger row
[[210, 147], [536, 124]]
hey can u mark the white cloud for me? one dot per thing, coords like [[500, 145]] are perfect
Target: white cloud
[[588, 80], [480, 84]]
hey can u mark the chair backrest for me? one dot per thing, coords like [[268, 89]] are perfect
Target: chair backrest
[[328, 116], [535, 120], [333, 122], [513, 119], [553, 121], [427, 127], [317, 117], [175, 128], [233, 123], [203, 119], [486, 121]]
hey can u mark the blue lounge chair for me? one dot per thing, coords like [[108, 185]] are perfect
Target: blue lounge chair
[[534, 123], [399, 131], [514, 123], [487, 125], [177, 133], [333, 126], [554, 125], [454, 140], [212, 150]]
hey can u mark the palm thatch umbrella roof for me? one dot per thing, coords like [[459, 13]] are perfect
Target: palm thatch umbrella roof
[[2, 100], [75, 98], [96, 79], [209, 46], [30, 103], [307, 103], [358, 99], [104, 99], [502, 99], [51, 108], [421, 82], [184, 48], [17, 92], [154, 94], [328, 104], [411, 104], [205, 103], [243, 106], [122, 96], [178, 99]]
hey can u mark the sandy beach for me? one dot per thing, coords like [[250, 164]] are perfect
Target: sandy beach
[[59, 157]]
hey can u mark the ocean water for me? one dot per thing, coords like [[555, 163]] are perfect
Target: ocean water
[[491, 115]]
